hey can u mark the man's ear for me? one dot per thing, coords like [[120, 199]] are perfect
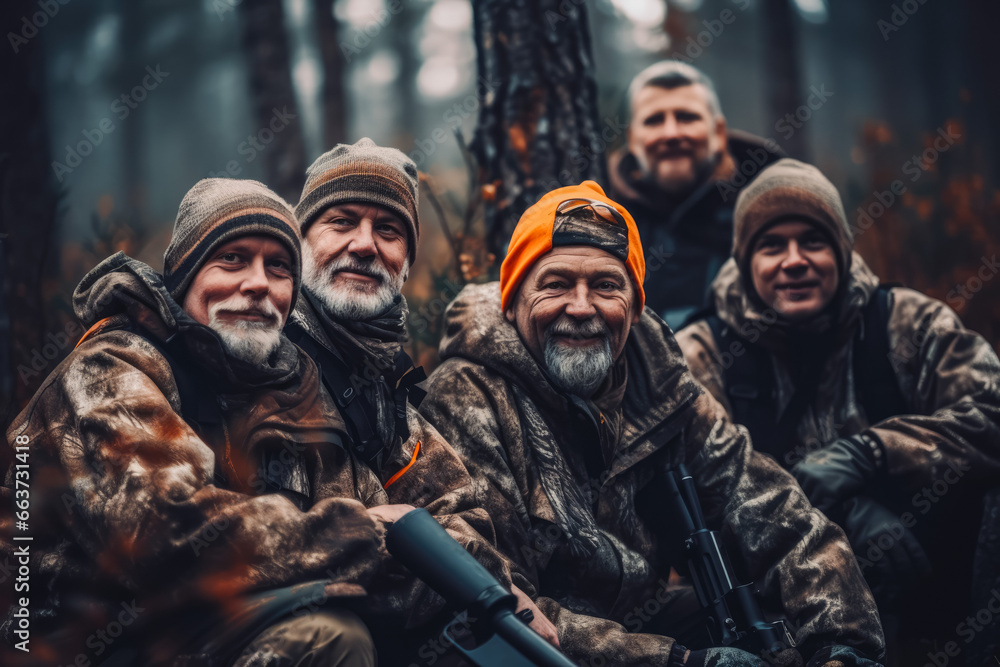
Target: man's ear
[[509, 314], [636, 316], [720, 131]]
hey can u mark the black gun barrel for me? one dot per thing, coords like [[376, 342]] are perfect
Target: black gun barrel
[[736, 618], [422, 545]]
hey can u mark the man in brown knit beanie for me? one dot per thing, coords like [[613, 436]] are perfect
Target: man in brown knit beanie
[[880, 403], [177, 450], [359, 223]]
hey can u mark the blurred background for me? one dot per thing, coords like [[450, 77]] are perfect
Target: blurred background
[[113, 109]]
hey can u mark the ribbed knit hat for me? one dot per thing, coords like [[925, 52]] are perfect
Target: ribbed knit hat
[[542, 228], [362, 173], [790, 190], [217, 210]]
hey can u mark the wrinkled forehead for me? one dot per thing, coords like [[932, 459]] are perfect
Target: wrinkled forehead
[[585, 227]]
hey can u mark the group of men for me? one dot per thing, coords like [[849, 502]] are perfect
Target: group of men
[[224, 450]]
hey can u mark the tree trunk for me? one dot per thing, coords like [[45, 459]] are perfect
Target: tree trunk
[[538, 126], [28, 200], [334, 111], [782, 72], [278, 137]]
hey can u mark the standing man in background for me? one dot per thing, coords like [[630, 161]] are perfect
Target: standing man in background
[[679, 176]]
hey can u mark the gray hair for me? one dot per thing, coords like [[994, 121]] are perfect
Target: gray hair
[[672, 74]]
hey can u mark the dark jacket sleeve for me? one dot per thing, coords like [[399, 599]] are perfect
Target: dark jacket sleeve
[[791, 550], [137, 488], [950, 377]]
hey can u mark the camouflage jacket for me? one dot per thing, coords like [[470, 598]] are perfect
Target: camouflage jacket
[[231, 512], [946, 373], [423, 470], [594, 546]]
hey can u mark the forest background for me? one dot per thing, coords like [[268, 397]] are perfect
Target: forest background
[[113, 109]]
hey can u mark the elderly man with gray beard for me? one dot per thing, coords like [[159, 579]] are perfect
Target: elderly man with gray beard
[[358, 218], [188, 496], [565, 397]]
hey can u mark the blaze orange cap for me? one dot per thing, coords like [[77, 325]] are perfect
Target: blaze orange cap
[[537, 232]]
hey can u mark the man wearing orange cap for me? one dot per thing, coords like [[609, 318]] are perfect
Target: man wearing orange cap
[[567, 400]]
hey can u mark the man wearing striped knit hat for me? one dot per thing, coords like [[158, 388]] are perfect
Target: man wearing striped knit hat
[[188, 504], [359, 224]]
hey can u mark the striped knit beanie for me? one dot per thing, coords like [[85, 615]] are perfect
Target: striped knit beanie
[[217, 210], [362, 173]]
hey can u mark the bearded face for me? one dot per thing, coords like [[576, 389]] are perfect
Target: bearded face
[[351, 287], [252, 338], [355, 260], [574, 311], [244, 293], [578, 354]]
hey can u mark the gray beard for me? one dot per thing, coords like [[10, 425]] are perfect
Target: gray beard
[[350, 302], [252, 342], [578, 371]]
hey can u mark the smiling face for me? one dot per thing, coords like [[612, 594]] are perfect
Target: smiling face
[[244, 292], [355, 259], [675, 137], [574, 310], [794, 269]]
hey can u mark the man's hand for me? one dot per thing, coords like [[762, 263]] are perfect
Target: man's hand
[[836, 472], [390, 513], [540, 623]]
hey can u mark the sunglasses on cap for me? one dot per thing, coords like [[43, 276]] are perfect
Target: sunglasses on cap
[[604, 211]]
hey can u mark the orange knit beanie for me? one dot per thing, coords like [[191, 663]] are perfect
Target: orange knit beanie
[[537, 233]]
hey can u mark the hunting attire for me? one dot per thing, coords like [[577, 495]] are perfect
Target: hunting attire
[[150, 493], [218, 500], [888, 372], [686, 241], [372, 382], [574, 486]]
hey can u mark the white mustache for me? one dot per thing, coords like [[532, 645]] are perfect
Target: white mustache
[[371, 269], [240, 304]]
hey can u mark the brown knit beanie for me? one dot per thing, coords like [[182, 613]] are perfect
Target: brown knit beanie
[[362, 173], [217, 210], [790, 190]]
